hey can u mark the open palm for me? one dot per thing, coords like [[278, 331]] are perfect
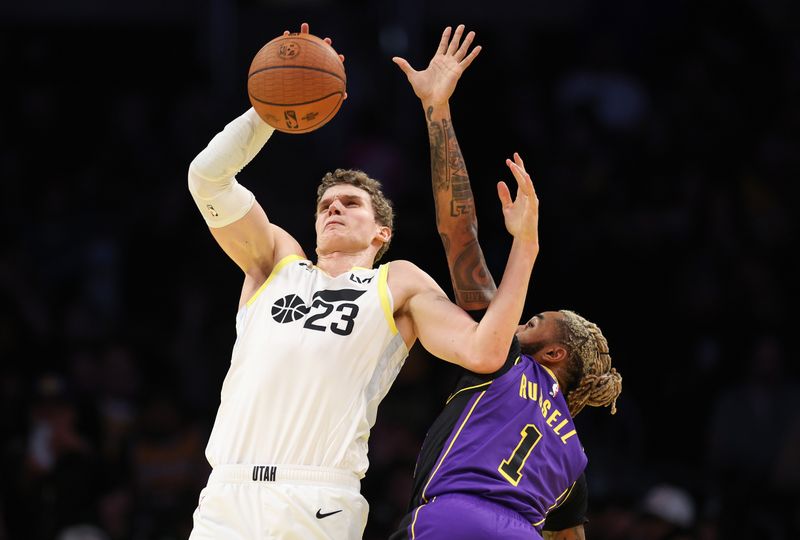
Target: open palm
[[435, 84]]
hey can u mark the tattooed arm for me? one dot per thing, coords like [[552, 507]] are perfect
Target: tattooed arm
[[575, 533], [455, 209]]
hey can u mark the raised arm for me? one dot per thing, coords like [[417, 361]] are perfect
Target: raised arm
[[237, 221], [444, 329], [455, 211]]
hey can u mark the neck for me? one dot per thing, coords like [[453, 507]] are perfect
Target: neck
[[339, 262]]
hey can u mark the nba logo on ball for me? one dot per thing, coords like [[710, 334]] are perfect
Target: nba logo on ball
[[291, 119], [299, 79]]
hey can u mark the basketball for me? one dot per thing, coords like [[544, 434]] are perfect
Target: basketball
[[296, 83]]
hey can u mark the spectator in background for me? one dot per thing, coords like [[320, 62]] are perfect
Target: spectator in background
[[667, 513]]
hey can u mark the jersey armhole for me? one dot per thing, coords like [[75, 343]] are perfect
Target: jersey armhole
[[277, 268], [387, 302]]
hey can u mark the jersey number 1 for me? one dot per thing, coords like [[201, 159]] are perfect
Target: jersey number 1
[[511, 468]]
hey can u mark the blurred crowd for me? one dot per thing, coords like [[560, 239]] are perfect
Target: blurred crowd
[[665, 143]]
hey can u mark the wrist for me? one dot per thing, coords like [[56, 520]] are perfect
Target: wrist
[[436, 108], [528, 246]]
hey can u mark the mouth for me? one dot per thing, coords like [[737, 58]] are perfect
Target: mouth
[[331, 224]]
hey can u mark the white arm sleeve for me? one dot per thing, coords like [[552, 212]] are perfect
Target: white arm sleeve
[[212, 182]]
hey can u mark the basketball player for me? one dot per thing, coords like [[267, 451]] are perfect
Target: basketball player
[[503, 459], [319, 344]]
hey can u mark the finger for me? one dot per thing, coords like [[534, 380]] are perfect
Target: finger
[[285, 32], [524, 181], [403, 64], [504, 194], [456, 39], [462, 51], [329, 41], [443, 42], [519, 174], [470, 57], [518, 160], [341, 58], [528, 181], [345, 96], [304, 28]]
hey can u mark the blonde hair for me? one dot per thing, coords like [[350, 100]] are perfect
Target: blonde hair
[[381, 206], [589, 365]]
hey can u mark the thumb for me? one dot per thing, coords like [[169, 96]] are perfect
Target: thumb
[[403, 65], [504, 194]]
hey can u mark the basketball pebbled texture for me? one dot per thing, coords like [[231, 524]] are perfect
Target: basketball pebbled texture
[[296, 83]]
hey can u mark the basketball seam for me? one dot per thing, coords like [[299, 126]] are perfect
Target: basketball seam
[[295, 104], [298, 67]]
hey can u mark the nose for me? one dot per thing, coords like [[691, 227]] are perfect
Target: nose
[[520, 328], [335, 208]]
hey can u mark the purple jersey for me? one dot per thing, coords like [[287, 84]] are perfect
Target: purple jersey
[[514, 443]]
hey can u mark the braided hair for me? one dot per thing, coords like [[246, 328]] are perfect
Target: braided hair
[[588, 371]]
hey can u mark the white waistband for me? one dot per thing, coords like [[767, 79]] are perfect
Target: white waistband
[[286, 474]]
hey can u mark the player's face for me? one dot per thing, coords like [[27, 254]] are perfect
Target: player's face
[[542, 329], [345, 220]]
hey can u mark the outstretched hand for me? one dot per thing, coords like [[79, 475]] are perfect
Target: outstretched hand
[[435, 84], [304, 29], [521, 214]]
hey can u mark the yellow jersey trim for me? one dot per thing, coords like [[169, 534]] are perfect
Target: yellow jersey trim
[[559, 501], [563, 497], [451, 444], [277, 268], [553, 375], [383, 292], [468, 388]]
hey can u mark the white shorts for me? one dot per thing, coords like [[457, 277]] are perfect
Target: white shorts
[[251, 502]]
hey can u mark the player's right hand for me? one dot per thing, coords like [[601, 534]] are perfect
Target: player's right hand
[[521, 214], [435, 84]]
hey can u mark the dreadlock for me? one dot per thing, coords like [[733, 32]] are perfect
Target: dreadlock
[[592, 379]]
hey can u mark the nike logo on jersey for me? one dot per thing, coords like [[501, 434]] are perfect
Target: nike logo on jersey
[[320, 515]]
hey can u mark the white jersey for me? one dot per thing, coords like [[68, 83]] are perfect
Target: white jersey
[[313, 358]]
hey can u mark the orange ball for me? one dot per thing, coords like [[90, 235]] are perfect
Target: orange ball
[[296, 83]]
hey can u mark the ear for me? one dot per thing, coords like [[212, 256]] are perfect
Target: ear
[[384, 233], [553, 354]]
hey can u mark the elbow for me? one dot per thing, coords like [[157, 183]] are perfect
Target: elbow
[[488, 361]]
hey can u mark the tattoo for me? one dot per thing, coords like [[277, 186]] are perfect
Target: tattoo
[[455, 217], [461, 204], [575, 533], [438, 160], [471, 279]]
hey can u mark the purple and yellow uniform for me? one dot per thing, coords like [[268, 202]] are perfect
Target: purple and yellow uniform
[[502, 454]]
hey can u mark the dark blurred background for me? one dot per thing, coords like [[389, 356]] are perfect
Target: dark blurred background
[[664, 138]]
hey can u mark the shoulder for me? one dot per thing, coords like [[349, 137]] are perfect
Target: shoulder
[[407, 275], [285, 244], [405, 280]]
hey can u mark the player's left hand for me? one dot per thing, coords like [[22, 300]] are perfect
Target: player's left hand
[[521, 214], [435, 84]]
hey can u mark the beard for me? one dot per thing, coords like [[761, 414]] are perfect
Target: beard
[[532, 348]]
